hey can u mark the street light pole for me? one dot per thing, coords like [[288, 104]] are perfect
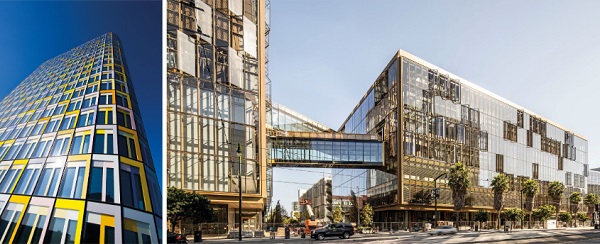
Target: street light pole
[[435, 197], [357, 210], [239, 154]]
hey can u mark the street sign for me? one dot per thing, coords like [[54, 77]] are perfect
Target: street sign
[[435, 193]]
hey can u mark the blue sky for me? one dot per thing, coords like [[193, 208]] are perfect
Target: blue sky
[[542, 55], [33, 32]]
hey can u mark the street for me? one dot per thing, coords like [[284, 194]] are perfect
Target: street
[[580, 235]]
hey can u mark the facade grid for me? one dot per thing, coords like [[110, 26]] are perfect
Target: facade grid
[[216, 101], [75, 164], [429, 119]]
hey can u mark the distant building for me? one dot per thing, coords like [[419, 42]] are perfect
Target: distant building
[[593, 181], [319, 196], [295, 208]]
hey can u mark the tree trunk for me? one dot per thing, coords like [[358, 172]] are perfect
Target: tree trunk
[[529, 220], [498, 220], [457, 218]]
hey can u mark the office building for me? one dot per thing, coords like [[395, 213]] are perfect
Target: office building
[[74, 160], [428, 119], [217, 95]]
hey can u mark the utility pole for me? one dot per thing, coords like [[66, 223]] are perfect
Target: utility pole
[[436, 217]]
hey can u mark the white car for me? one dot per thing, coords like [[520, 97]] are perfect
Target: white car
[[443, 230]]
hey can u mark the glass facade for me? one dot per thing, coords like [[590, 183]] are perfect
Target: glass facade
[[215, 97], [58, 168], [443, 120]]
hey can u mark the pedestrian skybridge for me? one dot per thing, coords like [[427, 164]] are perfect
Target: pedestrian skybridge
[[324, 150]]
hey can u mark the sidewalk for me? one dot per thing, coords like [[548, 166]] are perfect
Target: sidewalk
[[406, 234]]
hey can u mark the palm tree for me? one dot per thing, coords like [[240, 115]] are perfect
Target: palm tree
[[529, 188], [575, 199], [555, 192], [459, 181], [500, 185]]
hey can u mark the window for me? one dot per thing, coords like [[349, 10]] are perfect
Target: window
[[54, 100], [4, 149], [78, 93], [510, 131], [102, 182], [39, 127], [48, 112], [27, 149], [43, 147], [49, 179], [37, 115], [560, 163], [105, 98], [28, 179], [103, 142], [61, 146], [568, 179], [91, 89], [106, 85], [499, 163], [74, 105], [72, 183], [536, 168], [89, 102], [131, 188], [60, 109], [66, 95], [6, 134], [52, 126], [81, 143], [529, 138], [123, 118], [10, 178], [94, 228], [122, 100], [86, 119], [12, 152], [32, 224], [127, 145], [25, 132], [104, 117], [483, 140], [62, 229], [14, 133], [520, 118], [68, 122], [136, 232], [121, 86], [8, 220]]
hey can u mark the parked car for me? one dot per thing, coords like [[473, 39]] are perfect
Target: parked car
[[443, 230], [341, 230], [176, 238]]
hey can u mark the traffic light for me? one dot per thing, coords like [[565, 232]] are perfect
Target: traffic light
[[596, 207]]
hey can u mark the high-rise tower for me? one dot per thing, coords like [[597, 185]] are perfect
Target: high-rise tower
[[74, 159], [217, 95]]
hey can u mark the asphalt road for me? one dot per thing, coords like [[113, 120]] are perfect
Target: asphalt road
[[518, 236]]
